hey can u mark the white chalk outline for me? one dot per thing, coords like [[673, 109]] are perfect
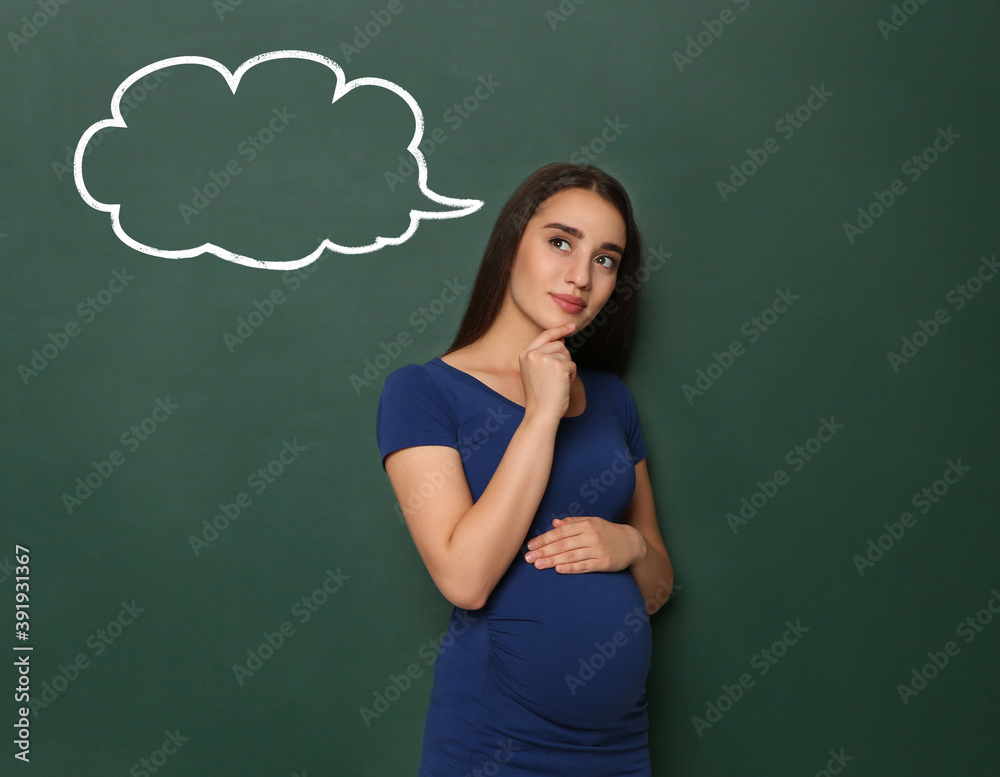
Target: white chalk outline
[[463, 207]]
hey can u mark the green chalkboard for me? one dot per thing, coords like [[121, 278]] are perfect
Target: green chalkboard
[[199, 316]]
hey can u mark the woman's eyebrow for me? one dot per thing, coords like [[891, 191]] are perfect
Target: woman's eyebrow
[[578, 234]]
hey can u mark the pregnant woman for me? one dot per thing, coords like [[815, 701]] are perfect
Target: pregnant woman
[[520, 468]]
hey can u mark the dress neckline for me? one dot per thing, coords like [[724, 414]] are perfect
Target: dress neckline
[[489, 389]]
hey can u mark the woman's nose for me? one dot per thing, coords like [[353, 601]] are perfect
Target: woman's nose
[[578, 272]]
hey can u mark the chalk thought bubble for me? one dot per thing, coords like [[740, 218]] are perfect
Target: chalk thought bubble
[[435, 206]]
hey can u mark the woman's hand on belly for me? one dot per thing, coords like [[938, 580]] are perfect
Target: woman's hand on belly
[[585, 543]]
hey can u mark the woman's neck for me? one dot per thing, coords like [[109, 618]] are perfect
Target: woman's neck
[[499, 349]]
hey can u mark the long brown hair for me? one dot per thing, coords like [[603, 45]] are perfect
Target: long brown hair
[[604, 343]]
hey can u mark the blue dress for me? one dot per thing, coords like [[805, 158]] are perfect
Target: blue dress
[[548, 678]]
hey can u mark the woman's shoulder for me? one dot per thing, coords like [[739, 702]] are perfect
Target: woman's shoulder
[[606, 381], [414, 389], [611, 390], [412, 375]]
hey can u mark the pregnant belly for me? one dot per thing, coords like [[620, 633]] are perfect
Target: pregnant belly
[[573, 648]]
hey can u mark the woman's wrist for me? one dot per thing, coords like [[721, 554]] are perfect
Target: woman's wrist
[[539, 419], [641, 546]]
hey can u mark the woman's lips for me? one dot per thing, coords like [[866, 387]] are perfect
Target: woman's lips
[[569, 303]]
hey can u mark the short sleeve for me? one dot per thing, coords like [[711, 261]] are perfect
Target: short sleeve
[[413, 410], [633, 429]]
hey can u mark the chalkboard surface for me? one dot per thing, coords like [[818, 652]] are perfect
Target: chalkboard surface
[[198, 543]]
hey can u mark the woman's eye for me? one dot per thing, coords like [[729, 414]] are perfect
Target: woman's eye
[[609, 261], [556, 241]]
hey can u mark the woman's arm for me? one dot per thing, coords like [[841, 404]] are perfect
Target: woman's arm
[[468, 546], [652, 570]]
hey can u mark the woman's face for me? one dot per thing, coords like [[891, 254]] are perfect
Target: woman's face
[[567, 261]]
